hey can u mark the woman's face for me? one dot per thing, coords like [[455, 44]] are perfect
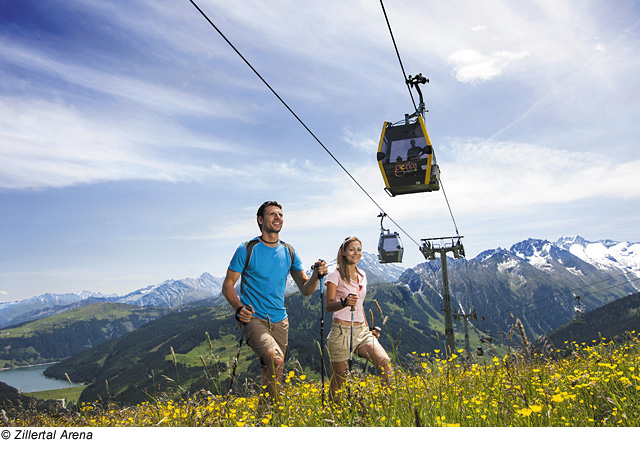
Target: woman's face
[[352, 253]]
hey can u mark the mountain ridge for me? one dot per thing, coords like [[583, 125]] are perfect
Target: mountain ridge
[[169, 293], [567, 253], [536, 280]]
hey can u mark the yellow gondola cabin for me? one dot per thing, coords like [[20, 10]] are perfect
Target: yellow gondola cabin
[[406, 159]]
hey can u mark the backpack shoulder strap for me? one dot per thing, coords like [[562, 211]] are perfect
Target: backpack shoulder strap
[[252, 243], [291, 251], [249, 245]]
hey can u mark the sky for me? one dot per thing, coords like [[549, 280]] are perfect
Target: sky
[[136, 145]]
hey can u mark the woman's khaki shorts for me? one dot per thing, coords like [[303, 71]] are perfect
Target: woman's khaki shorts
[[261, 339], [339, 338]]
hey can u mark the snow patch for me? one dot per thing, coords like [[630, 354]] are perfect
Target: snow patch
[[507, 265], [575, 271]]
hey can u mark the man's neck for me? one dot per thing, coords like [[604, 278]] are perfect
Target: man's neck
[[270, 238]]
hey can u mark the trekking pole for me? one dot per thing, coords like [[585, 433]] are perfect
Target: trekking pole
[[321, 336], [235, 360], [371, 328], [353, 309]]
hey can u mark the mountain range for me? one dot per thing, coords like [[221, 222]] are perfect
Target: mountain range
[[535, 280], [168, 294], [529, 271]]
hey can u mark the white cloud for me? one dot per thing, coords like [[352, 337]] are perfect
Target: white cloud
[[44, 144], [498, 177], [470, 66], [362, 141]]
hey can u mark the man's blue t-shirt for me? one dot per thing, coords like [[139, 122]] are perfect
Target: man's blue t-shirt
[[265, 279]]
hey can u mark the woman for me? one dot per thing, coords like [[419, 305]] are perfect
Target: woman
[[346, 290]]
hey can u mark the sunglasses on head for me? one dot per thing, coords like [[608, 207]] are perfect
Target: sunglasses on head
[[347, 240]]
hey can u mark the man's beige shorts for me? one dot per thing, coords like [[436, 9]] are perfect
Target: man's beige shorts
[[261, 339], [339, 338]]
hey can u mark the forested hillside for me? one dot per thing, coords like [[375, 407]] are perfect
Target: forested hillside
[[613, 320], [60, 336], [137, 365]]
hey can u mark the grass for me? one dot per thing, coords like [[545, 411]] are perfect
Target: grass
[[597, 384], [70, 394], [98, 311]]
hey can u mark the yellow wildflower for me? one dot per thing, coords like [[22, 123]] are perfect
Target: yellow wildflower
[[525, 412]]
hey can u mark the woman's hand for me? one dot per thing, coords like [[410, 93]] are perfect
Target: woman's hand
[[351, 300]]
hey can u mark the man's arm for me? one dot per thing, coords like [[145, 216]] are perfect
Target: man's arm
[[229, 292], [308, 285]]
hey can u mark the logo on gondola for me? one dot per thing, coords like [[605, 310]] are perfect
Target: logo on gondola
[[401, 170]]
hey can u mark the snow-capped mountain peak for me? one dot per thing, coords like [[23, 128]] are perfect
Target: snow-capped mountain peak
[[376, 271], [624, 256]]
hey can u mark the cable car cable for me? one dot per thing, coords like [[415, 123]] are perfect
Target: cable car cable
[[300, 120], [413, 101], [494, 317], [398, 53], [562, 294], [449, 206], [566, 293], [587, 294]]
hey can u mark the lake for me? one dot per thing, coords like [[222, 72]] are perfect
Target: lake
[[31, 379]]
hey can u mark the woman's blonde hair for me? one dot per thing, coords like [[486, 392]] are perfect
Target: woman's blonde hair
[[342, 263]]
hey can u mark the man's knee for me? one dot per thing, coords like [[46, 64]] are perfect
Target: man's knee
[[273, 360]]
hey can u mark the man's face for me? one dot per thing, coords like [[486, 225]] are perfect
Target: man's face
[[272, 219]]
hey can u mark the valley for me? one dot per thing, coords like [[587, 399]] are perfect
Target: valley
[[129, 351]]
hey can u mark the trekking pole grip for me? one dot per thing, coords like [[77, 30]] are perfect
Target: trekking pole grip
[[314, 268]]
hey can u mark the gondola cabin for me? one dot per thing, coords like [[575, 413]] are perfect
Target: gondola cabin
[[406, 159], [578, 314], [390, 248]]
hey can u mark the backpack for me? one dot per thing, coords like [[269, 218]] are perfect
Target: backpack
[[252, 243]]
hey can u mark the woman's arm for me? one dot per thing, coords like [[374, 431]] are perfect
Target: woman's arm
[[332, 304]]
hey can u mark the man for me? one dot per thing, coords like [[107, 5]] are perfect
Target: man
[[414, 152], [264, 276]]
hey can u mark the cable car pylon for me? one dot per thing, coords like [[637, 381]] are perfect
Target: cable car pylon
[[466, 317], [430, 248]]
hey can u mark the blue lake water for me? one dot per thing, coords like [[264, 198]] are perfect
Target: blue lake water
[[31, 379]]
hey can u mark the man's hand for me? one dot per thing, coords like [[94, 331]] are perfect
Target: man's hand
[[244, 313], [320, 268]]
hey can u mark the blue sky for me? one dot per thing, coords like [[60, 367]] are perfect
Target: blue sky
[[136, 146]]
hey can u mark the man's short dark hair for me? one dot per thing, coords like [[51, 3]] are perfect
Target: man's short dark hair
[[260, 212]]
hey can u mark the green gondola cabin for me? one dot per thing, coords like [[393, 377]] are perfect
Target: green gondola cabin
[[390, 248]]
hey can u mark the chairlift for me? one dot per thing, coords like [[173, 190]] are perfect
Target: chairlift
[[390, 248]]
